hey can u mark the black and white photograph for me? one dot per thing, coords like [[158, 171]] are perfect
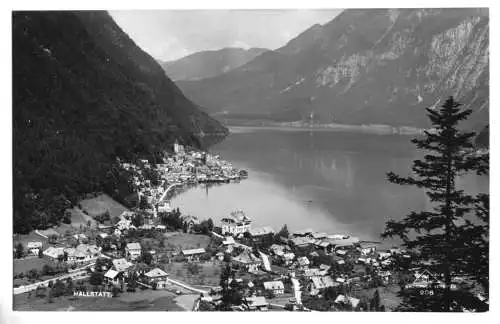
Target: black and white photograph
[[250, 160]]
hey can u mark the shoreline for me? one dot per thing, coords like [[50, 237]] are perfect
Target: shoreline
[[362, 129]]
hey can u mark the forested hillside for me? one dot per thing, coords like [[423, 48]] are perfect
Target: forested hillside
[[208, 64], [84, 94]]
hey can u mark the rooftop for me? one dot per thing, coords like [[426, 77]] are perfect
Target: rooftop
[[111, 274], [193, 251], [156, 272], [323, 282], [134, 246], [261, 231], [303, 232], [273, 285], [121, 264], [238, 216]]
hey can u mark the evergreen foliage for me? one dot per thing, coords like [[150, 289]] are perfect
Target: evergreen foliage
[[448, 235]]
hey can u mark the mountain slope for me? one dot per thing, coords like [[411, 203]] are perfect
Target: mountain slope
[[84, 94], [365, 66], [208, 64]]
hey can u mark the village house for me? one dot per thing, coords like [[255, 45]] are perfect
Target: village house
[[367, 248], [193, 254], [345, 243], [257, 303], [190, 222], [303, 232], [318, 236], [237, 223], [319, 283], [324, 245], [34, 247], [343, 300], [159, 277], [300, 242], [112, 277], [82, 253], [314, 272], [133, 250], [121, 265], [54, 254], [247, 261], [262, 235], [276, 287]]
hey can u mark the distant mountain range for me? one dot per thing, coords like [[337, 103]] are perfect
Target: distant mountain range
[[366, 66], [208, 64]]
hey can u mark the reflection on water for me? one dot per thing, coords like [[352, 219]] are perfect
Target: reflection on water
[[329, 181]]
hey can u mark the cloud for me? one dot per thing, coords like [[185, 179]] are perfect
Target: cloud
[[241, 45], [171, 34]]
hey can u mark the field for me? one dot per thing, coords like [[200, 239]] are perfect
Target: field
[[186, 241], [98, 205], [25, 265], [79, 218], [146, 300], [207, 273]]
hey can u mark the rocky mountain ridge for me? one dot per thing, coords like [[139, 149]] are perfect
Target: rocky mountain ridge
[[366, 66]]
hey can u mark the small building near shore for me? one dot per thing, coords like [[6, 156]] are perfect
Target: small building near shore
[[190, 222], [193, 254], [235, 224]]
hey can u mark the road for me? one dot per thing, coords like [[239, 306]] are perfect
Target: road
[[186, 286], [78, 273], [166, 192]]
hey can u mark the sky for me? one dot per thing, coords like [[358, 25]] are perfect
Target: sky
[[172, 34]]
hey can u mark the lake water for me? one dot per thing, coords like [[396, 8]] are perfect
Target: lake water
[[329, 181]]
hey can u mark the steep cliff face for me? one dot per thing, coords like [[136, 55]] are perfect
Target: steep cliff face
[[208, 64], [83, 94], [365, 66]]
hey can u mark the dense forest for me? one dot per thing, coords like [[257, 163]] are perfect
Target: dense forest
[[83, 95]]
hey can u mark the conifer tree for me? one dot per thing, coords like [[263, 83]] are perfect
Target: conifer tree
[[446, 234]]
